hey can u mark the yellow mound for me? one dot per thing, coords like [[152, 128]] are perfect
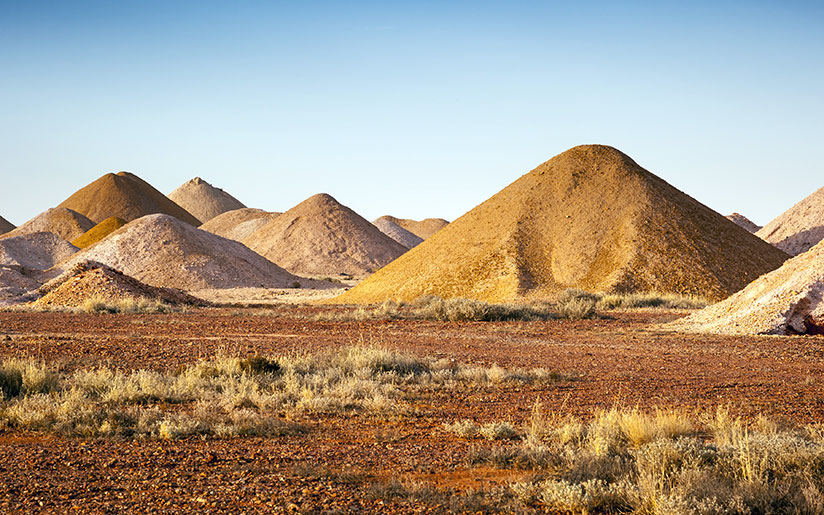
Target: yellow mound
[[589, 218], [98, 232], [126, 196]]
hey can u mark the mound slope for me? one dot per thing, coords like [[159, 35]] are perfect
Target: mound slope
[[743, 222], [123, 195], [420, 228], [65, 223], [397, 233], [799, 228], [163, 251], [320, 236], [98, 232], [589, 218], [5, 226], [88, 280], [239, 223], [784, 301], [35, 251], [203, 200]]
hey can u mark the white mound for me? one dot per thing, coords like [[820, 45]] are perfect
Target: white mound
[[203, 200], [799, 228], [397, 233], [36, 251]]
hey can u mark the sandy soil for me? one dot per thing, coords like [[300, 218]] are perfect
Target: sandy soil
[[330, 469]]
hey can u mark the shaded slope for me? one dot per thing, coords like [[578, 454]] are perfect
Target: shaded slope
[[98, 232], [420, 228], [320, 236], [160, 250], [203, 200], [65, 223], [743, 222], [785, 301], [799, 228], [5, 225], [589, 218], [397, 233], [125, 196]]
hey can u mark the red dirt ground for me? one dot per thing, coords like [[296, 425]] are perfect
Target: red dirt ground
[[620, 360]]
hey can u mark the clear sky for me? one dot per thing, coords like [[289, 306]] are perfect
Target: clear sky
[[414, 109]]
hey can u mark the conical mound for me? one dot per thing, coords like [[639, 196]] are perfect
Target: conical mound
[[65, 223], [90, 280], [320, 236], [743, 222], [423, 229], [397, 233], [98, 232], [239, 224], [784, 301], [799, 228], [589, 218], [35, 251], [125, 196], [203, 200], [160, 250], [5, 226]]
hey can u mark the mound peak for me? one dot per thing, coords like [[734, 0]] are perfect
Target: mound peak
[[423, 229], [5, 226], [124, 195], [743, 222], [799, 228], [65, 223], [203, 200], [163, 251], [90, 280], [397, 233], [320, 236], [589, 218]]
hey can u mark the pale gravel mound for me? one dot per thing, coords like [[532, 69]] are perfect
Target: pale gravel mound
[[36, 251], [321, 237], [203, 200], [784, 301], [589, 218], [90, 280], [160, 250], [240, 223], [397, 233], [5, 226], [743, 222], [420, 228], [65, 223], [799, 228], [125, 196]]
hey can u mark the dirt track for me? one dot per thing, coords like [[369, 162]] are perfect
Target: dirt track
[[622, 360]]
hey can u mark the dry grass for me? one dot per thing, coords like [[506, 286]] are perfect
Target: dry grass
[[609, 301], [229, 396], [665, 462]]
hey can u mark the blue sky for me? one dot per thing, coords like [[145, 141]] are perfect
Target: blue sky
[[413, 109]]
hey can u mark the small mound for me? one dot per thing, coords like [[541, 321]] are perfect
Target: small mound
[[163, 251], [5, 226], [65, 223], [125, 196], [590, 218], [799, 228], [743, 222], [320, 236], [98, 232], [203, 200], [784, 301], [397, 233], [89, 280], [421, 228], [239, 224], [36, 251]]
